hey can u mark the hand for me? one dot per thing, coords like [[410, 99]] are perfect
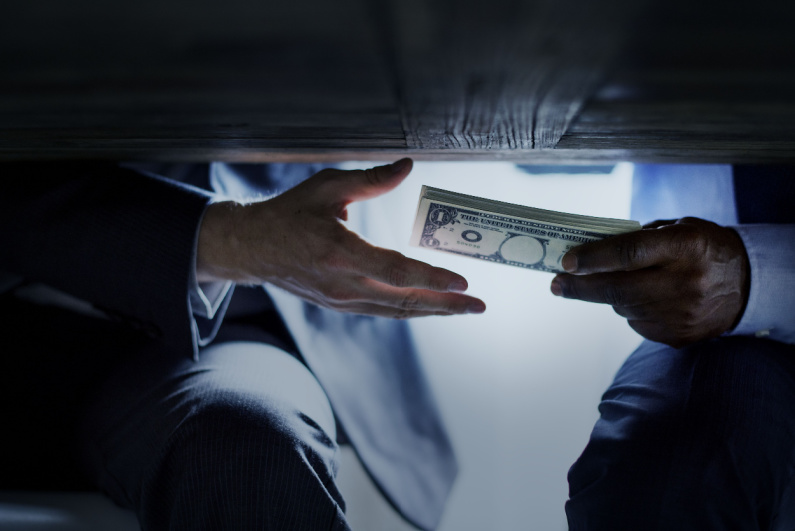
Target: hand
[[676, 282], [297, 242]]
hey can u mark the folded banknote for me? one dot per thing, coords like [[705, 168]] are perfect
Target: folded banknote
[[503, 232]]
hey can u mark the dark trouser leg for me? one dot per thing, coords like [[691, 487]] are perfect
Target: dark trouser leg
[[243, 439], [701, 438]]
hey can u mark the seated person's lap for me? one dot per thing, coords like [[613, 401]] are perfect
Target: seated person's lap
[[248, 420], [697, 438]]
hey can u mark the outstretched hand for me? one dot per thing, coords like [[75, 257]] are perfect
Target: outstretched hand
[[297, 242], [676, 282]]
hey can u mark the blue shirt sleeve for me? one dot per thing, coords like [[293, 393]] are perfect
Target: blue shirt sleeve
[[664, 191], [770, 311]]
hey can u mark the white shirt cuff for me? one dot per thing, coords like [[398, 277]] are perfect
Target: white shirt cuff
[[206, 298]]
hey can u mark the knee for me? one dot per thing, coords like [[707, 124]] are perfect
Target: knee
[[233, 426], [711, 423], [721, 391], [233, 452], [245, 426], [245, 404]]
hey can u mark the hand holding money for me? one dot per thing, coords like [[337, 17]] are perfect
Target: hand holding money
[[676, 282], [296, 241], [505, 233]]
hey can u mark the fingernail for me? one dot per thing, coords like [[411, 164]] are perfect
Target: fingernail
[[476, 307], [556, 288], [458, 286], [400, 165], [569, 262]]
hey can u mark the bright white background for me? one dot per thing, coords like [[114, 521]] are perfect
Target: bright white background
[[518, 386]]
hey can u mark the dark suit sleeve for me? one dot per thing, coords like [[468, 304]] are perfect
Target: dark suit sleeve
[[112, 236]]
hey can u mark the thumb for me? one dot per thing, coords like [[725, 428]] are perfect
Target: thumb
[[358, 185]]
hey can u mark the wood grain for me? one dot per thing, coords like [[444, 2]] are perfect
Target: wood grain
[[702, 83], [156, 76], [545, 81], [500, 75]]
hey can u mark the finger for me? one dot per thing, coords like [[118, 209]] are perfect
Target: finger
[[412, 299], [389, 312], [344, 187], [627, 252], [393, 268], [632, 288], [347, 304]]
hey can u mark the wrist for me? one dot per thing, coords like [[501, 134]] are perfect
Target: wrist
[[218, 251]]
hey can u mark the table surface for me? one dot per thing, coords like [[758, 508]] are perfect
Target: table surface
[[539, 81]]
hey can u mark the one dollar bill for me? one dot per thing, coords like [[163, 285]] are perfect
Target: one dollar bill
[[503, 232]]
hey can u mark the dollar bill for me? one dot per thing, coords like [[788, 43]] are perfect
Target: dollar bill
[[505, 233]]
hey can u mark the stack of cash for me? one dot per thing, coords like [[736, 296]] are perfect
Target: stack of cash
[[505, 233]]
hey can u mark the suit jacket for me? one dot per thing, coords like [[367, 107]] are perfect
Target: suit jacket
[[123, 239]]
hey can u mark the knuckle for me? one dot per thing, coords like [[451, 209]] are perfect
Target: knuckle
[[372, 176], [569, 287], [629, 251], [703, 285], [402, 314], [690, 220], [698, 285], [410, 302], [613, 295], [689, 241]]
